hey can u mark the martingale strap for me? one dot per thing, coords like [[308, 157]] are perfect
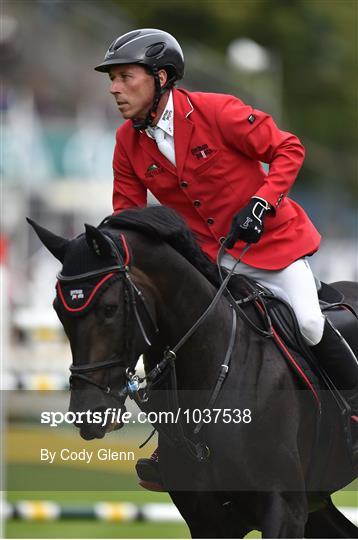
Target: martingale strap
[[196, 449], [223, 371]]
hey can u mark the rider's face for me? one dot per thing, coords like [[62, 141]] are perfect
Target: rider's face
[[133, 89]]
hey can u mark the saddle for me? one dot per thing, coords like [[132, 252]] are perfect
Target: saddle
[[333, 305], [261, 308]]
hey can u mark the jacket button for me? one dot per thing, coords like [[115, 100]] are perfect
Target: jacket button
[[197, 203], [183, 184], [210, 221]]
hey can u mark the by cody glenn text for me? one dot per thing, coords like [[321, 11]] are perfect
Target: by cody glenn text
[[86, 456]]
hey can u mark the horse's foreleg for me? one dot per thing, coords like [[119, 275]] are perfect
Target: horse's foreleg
[[206, 515], [284, 515]]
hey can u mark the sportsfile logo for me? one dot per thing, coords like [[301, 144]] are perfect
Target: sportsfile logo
[[77, 294], [112, 415]]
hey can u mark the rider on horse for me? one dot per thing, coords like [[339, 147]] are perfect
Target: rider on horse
[[201, 154]]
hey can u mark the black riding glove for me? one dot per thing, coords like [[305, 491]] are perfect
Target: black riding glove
[[248, 224]]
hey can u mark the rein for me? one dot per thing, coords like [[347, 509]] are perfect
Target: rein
[[215, 300], [171, 353], [132, 388]]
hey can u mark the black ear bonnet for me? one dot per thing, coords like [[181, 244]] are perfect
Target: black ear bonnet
[[93, 261]]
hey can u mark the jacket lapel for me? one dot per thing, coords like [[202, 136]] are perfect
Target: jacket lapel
[[183, 128], [150, 146]]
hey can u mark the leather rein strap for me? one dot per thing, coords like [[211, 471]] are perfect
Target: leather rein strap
[[132, 387], [170, 353]]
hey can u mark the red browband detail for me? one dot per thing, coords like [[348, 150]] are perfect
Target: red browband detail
[[126, 262], [89, 299]]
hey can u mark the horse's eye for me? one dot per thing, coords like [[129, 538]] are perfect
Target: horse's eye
[[109, 311]]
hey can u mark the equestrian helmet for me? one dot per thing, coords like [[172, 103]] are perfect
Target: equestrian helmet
[[153, 48]]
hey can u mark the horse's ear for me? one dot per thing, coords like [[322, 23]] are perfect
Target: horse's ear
[[55, 244], [98, 241]]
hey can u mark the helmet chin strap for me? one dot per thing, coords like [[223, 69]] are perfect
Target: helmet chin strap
[[138, 123]]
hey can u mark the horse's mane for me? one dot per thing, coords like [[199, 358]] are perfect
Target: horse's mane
[[163, 223]]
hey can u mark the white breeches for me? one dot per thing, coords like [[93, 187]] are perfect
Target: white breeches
[[294, 284]]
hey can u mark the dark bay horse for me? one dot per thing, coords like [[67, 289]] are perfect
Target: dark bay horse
[[137, 286]]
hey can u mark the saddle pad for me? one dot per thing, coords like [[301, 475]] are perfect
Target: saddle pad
[[332, 424], [290, 341], [297, 353], [287, 336]]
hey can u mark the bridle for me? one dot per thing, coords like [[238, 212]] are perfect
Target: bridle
[[133, 381], [133, 385], [131, 297]]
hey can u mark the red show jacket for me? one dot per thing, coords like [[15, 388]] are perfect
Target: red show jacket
[[219, 145]]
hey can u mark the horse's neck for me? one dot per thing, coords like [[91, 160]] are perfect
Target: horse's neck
[[181, 296], [181, 292]]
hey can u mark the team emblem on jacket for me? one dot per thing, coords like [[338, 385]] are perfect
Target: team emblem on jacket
[[201, 152], [153, 170]]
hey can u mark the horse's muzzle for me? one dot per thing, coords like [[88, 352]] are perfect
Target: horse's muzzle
[[98, 423]]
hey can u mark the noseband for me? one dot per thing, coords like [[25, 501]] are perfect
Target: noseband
[[132, 294]]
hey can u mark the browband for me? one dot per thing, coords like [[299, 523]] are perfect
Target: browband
[[115, 268], [121, 267]]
